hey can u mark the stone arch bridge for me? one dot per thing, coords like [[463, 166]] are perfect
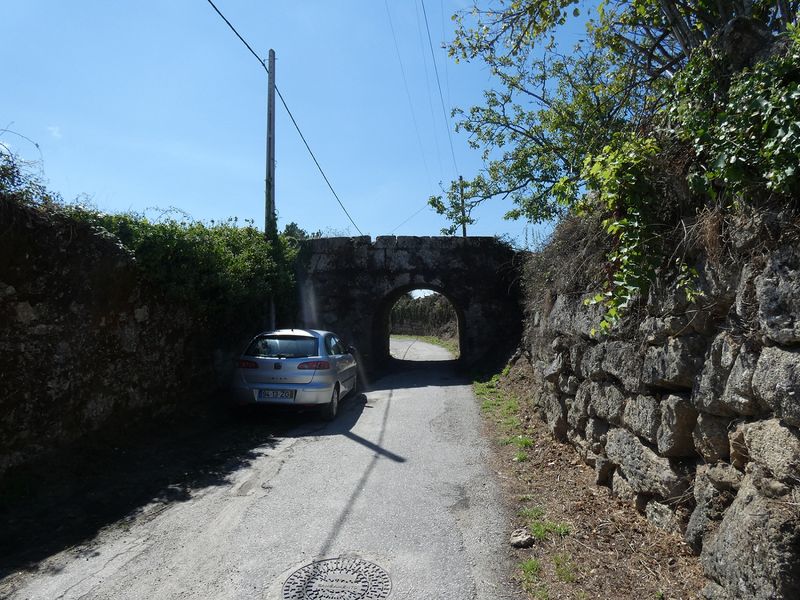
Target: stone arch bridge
[[349, 285]]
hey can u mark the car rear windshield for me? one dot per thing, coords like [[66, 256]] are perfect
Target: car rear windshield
[[283, 346]]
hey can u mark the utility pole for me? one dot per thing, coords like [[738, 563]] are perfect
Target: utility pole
[[270, 224], [463, 208]]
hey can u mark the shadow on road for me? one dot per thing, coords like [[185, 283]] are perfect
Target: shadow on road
[[425, 373], [66, 498]]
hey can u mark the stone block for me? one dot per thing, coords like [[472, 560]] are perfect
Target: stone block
[[724, 387], [724, 477], [678, 419], [774, 446], [739, 457], [555, 415], [778, 296], [568, 384], [662, 516], [754, 552], [607, 403], [642, 416], [657, 330], [576, 351], [591, 364], [603, 470], [596, 430], [674, 364], [776, 382], [714, 490], [710, 437], [578, 411], [646, 471], [623, 361], [700, 520], [714, 376], [738, 396], [621, 488], [554, 368]]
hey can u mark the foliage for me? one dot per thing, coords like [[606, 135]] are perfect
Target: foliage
[[746, 134], [622, 178], [431, 315], [220, 270], [555, 107], [18, 184], [223, 273], [294, 232], [561, 124]]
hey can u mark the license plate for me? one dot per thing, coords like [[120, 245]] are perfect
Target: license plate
[[276, 394]]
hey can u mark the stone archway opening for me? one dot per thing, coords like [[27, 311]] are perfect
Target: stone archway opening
[[423, 315], [398, 315]]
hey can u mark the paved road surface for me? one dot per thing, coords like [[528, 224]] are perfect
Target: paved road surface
[[399, 480]]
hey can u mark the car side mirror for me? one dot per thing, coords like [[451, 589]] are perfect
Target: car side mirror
[[351, 350]]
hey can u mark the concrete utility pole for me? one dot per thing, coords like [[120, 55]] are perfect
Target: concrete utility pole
[[463, 208], [270, 226]]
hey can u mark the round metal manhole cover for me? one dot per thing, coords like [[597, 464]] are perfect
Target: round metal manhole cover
[[338, 579]]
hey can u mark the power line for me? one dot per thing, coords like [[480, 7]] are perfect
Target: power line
[[408, 92], [428, 84], [439, 84], [291, 116], [409, 218]]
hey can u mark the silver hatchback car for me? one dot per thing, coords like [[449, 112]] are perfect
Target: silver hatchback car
[[298, 367]]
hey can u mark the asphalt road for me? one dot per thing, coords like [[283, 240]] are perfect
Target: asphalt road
[[400, 480]]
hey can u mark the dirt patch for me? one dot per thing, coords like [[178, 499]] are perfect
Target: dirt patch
[[587, 544]]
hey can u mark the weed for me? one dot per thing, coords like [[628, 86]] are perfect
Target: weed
[[531, 512], [541, 529], [541, 593], [520, 456], [531, 569], [523, 441], [525, 498], [565, 569], [520, 441]]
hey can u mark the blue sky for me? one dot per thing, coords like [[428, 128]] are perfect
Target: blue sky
[[146, 104]]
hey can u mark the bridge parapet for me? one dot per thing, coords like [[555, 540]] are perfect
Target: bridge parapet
[[349, 285]]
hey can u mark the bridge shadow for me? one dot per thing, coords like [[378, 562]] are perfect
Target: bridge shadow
[[426, 373]]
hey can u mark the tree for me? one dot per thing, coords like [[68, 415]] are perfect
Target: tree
[[554, 108]]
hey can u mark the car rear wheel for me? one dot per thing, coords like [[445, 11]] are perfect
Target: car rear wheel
[[331, 409]]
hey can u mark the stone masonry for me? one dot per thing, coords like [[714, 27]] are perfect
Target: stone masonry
[[349, 285], [693, 414]]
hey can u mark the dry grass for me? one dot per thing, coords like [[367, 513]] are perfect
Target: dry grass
[[589, 544]]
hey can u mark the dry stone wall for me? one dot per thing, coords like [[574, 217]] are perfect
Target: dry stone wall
[[693, 414], [85, 346]]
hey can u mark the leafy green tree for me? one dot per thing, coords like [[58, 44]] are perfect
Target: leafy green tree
[[553, 107]]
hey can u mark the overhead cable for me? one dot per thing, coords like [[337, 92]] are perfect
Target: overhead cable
[[291, 116], [408, 92], [439, 84]]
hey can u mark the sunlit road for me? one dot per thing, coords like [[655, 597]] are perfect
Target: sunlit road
[[399, 480]]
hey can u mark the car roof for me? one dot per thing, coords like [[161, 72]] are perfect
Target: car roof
[[298, 332]]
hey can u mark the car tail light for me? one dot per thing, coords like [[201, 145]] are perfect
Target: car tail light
[[314, 365], [246, 364]]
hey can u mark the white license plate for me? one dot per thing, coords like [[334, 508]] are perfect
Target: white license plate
[[276, 394]]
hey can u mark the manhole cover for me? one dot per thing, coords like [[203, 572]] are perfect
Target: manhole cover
[[338, 579]]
